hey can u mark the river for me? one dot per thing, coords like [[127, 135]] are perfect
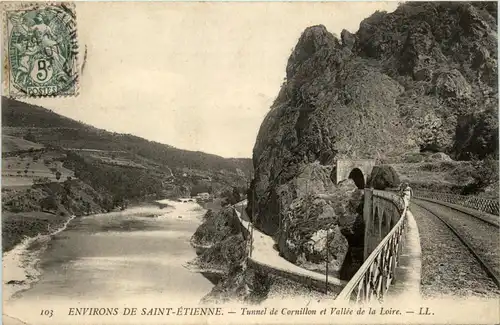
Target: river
[[116, 259]]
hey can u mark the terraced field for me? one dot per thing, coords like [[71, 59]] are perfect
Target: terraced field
[[25, 170]]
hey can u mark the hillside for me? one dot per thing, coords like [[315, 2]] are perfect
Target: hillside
[[420, 79], [121, 166], [13, 144], [182, 169], [21, 119]]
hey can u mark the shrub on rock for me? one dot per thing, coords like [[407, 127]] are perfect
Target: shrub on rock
[[383, 176]]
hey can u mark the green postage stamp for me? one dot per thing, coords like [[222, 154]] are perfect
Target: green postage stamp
[[40, 50]]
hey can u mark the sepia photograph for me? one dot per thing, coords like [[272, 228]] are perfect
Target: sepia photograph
[[240, 162]]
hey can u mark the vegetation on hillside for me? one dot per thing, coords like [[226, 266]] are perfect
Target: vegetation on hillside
[[16, 226], [121, 166], [478, 133], [44, 207], [216, 227], [382, 177], [121, 183], [475, 177]]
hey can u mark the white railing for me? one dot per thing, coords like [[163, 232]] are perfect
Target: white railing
[[375, 276]]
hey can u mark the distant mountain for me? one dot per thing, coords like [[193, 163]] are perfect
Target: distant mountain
[[46, 127]]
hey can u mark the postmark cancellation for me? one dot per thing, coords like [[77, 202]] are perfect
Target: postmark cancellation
[[40, 49]]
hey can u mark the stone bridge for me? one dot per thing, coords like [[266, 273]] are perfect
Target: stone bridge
[[382, 210], [392, 251], [357, 170]]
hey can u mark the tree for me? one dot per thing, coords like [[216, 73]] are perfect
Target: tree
[[48, 203], [487, 172], [231, 197], [477, 134], [30, 137], [41, 180], [236, 196]]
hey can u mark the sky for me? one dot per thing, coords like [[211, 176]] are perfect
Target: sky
[[197, 76]]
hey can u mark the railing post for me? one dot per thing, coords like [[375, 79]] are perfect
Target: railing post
[[367, 218]]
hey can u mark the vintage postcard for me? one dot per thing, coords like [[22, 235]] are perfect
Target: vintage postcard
[[250, 163]]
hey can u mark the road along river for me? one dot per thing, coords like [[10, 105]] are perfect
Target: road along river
[[132, 258]]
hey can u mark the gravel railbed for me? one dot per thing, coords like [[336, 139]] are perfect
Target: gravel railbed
[[448, 268], [484, 237]]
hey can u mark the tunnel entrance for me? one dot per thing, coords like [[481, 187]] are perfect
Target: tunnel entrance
[[357, 176]]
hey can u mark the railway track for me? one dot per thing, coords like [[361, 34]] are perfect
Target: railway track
[[460, 251], [487, 267], [479, 217]]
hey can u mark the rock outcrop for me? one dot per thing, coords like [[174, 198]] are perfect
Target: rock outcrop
[[216, 227], [221, 249], [316, 227], [382, 177], [400, 84]]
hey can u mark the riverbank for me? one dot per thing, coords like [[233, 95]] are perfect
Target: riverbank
[[17, 226], [20, 263], [19, 269]]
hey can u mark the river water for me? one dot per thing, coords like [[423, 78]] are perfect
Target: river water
[[117, 259]]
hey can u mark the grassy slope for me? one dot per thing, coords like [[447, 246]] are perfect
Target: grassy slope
[[436, 176], [12, 144], [445, 176]]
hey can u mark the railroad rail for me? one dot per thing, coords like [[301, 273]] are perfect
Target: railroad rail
[[487, 267]]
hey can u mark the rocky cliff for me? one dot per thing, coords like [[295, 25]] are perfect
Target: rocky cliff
[[421, 78]]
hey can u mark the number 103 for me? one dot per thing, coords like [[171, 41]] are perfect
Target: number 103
[[47, 312]]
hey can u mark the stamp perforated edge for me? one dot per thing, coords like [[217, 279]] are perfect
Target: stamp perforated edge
[[13, 6]]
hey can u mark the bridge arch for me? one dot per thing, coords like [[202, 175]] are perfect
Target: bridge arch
[[357, 170]]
